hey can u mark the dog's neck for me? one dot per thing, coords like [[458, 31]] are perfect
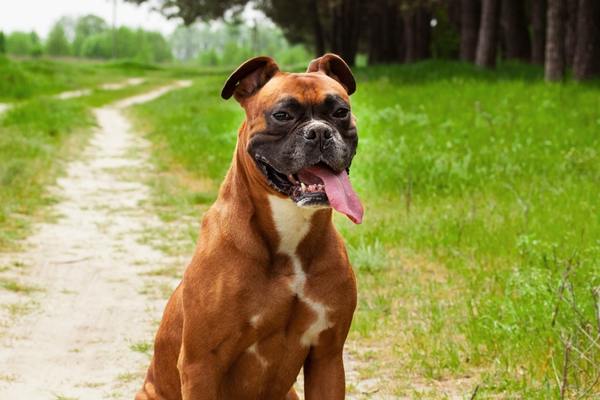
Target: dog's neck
[[277, 223]]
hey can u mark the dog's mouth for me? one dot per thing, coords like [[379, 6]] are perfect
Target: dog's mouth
[[316, 186]]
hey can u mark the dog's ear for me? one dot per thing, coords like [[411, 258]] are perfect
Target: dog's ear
[[249, 77], [333, 66]]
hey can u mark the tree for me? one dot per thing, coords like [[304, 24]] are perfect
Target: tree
[[554, 68], [586, 62], [469, 28], [385, 36], [487, 42], [515, 30], [570, 31], [319, 35], [301, 21], [190, 11], [185, 42], [346, 16], [417, 32], [85, 27], [57, 43], [2, 43], [23, 44], [538, 31]]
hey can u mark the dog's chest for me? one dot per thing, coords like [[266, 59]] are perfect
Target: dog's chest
[[289, 317], [292, 224]]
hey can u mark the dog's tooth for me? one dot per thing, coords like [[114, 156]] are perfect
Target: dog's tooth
[[303, 186]]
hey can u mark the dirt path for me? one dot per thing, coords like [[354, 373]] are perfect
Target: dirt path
[[77, 318]]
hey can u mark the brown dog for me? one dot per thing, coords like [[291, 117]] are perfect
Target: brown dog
[[269, 289]]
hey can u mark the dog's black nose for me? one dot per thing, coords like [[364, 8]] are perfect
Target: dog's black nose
[[319, 133]]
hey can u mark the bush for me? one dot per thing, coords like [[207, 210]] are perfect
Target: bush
[[24, 44]]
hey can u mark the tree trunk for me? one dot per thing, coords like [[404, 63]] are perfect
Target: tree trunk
[[555, 43], [454, 13], [376, 33], [408, 19], [345, 29], [488, 34], [317, 29], [469, 28], [538, 31], [423, 25], [587, 52], [417, 33], [385, 38], [571, 31], [514, 30]]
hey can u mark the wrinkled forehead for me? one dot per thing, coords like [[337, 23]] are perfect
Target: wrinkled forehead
[[306, 88]]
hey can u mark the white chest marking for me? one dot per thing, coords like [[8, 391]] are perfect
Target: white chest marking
[[254, 320], [254, 350], [292, 224]]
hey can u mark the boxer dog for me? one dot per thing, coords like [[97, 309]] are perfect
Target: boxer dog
[[269, 289]]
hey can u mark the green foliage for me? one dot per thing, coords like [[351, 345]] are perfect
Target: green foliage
[[85, 27], [57, 43], [137, 44], [24, 44], [32, 139], [89, 36], [197, 116], [22, 79], [481, 196], [2, 43], [232, 43]]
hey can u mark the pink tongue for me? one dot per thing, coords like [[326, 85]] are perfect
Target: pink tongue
[[339, 192]]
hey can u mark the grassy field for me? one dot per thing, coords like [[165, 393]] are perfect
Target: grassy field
[[39, 133], [479, 259]]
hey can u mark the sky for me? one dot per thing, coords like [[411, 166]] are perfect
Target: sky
[[39, 15]]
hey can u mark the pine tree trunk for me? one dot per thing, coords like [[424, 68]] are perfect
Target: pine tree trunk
[[385, 36], [346, 17], [469, 29], [487, 42], [538, 31], [571, 31], [319, 37], [375, 31], [587, 52], [555, 42], [514, 29], [417, 33], [408, 19], [423, 25]]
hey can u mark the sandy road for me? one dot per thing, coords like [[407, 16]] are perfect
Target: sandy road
[[79, 329]]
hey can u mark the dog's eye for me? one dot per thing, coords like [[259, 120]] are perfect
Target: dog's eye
[[341, 113], [282, 116]]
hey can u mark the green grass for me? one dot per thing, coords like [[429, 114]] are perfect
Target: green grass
[[40, 132], [28, 78], [16, 287], [142, 347], [480, 248], [34, 138]]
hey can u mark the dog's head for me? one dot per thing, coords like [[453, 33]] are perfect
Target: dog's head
[[299, 131]]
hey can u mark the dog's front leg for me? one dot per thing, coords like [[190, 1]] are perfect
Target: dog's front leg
[[200, 376], [324, 376]]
